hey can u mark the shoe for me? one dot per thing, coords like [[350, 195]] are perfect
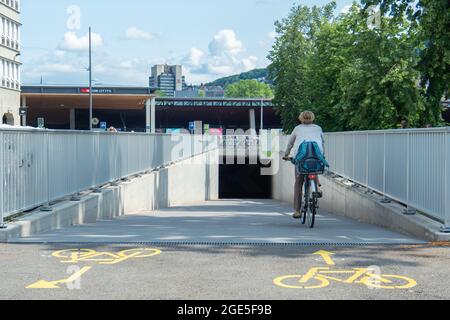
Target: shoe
[[297, 215]]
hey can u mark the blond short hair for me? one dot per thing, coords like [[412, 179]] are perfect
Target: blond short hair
[[307, 117]]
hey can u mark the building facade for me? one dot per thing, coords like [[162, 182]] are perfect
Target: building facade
[[167, 79], [9, 61]]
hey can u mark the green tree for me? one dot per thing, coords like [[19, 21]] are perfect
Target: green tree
[[378, 84], [293, 48], [248, 89], [160, 94], [430, 24], [352, 74]]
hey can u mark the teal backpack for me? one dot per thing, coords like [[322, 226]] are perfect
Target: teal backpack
[[310, 159]]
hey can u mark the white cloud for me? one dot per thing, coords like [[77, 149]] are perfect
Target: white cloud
[[346, 9], [225, 42], [46, 68], [107, 68], [60, 54], [272, 35], [134, 33], [195, 57], [72, 42], [56, 67], [225, 57], [249, 63]]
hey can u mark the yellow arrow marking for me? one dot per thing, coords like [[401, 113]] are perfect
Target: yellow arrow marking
[[326, 255], [43, 284]]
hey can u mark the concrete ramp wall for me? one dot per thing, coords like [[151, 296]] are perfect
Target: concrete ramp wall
[[192, 180], [344, 199]]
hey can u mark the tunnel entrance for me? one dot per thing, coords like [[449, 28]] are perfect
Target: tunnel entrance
[[244, 181]]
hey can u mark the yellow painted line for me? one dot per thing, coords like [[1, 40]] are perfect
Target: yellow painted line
[[326, 255], [44, 284]]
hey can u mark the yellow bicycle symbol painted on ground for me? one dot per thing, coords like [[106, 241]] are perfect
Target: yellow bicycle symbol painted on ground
[[317, 278], [75, 256], [90, 255], [321, 277]]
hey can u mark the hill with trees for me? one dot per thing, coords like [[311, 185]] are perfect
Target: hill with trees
[[255, 74]]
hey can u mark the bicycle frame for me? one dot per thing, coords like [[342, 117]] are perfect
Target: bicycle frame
[[311, 180]]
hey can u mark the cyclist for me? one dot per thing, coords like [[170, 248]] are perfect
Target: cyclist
[[307, 131]]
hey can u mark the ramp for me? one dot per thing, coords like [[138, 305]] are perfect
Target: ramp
[[230, 222]]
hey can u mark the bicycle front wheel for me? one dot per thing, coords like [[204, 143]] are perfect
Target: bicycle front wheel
[[388, 281]]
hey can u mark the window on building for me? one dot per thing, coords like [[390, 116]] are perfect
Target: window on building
[[8, 118], [9, 74]]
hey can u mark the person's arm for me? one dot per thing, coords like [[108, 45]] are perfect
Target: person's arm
[[291, 143], [322, 135]]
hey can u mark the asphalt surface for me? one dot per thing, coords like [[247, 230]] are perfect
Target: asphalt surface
[[199, 272], [224, 250], [225, 221]]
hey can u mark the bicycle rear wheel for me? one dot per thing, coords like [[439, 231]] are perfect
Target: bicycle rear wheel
[[311, 205], [312, 211], [305, 201]]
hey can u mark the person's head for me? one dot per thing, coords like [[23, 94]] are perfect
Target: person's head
[[307, 117]]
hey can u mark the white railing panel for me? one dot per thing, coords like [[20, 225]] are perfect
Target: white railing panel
[[411, 166], [427, 178], [376, 161], [396, 166], [62, 164], [40, 166], [361, 158]]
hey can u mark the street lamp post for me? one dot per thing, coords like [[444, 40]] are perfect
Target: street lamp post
[[262, 114], [90, 80]]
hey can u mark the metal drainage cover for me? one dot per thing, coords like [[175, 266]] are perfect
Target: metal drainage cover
[[235, 244]]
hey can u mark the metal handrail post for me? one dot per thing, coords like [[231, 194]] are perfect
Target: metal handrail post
[[2, 181], [446, 227], [385, 199], [408, 210], [46, 207]]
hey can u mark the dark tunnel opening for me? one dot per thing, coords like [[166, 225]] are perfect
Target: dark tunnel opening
[[244, 181]]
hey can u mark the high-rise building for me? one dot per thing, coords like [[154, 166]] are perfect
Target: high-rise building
[[167, 78], [9, 63]]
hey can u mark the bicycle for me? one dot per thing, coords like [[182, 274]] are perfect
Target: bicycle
[[90, 255], [311, 196], [318, 278]]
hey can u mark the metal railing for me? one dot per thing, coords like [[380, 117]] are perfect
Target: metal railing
[[41, 166], [410, 166]]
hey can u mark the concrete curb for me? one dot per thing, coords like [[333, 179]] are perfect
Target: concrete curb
[[152, 191], [353, 202]]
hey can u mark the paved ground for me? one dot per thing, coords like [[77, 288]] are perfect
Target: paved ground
[[197, 272], [286, 260], [233, 221]]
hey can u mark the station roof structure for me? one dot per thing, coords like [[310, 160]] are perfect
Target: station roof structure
[[111, 97]]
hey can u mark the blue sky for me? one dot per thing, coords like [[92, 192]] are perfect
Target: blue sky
[[210, 38]]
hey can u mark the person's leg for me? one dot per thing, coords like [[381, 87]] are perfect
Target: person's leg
[[298, 192], [319, 190]]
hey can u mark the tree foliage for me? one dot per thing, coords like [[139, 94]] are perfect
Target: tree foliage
[[359, 75], [250, 75], [248, 89], [160, 94]]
